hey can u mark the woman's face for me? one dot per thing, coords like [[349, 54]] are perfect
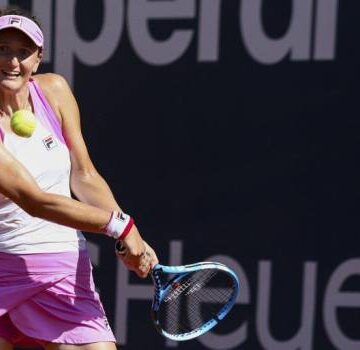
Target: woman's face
[[19, 58]]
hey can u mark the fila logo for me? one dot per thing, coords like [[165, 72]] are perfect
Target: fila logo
[[122, 216], [15, 21], [106, 323], [50, 142]]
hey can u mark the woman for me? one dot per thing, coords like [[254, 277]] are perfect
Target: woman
[[46, 287]]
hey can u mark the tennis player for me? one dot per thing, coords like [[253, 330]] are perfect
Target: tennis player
[[47, 293]]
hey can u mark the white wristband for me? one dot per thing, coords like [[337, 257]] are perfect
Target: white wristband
[[119, 225]]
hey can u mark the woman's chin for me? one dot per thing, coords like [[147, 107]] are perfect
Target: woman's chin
[[10, 85]]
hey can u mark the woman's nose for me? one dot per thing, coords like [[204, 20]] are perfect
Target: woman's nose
[[13, 60]]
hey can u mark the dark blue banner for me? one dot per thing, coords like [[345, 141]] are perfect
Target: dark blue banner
[[229, 130]]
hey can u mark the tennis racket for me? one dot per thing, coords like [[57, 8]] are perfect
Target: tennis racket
[[190, 300]]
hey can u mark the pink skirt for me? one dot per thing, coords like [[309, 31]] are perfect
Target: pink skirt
[[50, 298]]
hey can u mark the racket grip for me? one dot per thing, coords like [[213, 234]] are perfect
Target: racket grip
[[120, 249]]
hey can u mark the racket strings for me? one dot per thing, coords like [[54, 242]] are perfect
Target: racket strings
[[195, 300]]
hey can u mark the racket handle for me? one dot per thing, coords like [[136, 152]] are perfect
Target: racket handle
[[120, 249]]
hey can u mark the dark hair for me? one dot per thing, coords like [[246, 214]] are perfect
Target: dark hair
[[18, 11]]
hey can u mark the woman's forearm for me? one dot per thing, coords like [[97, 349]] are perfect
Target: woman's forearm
[[69, 212]]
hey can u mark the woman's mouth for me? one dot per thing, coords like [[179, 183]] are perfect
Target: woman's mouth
[[10, 74]]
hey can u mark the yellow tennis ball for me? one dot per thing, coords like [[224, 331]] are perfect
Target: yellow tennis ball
[[23, 123]]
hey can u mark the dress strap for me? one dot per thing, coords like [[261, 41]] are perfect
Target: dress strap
[[44, 111]]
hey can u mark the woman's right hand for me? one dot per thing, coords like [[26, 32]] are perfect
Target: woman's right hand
[[137, 255]]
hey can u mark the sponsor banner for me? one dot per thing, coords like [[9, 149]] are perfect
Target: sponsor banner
[[239, 121]]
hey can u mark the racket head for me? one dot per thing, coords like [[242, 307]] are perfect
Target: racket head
[[193, 300]]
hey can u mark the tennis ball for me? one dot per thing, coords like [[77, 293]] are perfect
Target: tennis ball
[[23, 123]]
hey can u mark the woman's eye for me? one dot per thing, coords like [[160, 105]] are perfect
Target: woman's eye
[[24, 53], [4, 49]]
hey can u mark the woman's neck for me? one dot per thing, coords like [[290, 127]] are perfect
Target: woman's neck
[[11, 102]]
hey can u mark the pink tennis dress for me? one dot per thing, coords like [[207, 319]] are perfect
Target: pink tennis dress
[[47, 292]]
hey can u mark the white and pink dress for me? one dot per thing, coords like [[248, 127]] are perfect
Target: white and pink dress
[[47, 291]]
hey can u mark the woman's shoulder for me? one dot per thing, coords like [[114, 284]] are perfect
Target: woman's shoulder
[[51, 82], [56, 90]]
